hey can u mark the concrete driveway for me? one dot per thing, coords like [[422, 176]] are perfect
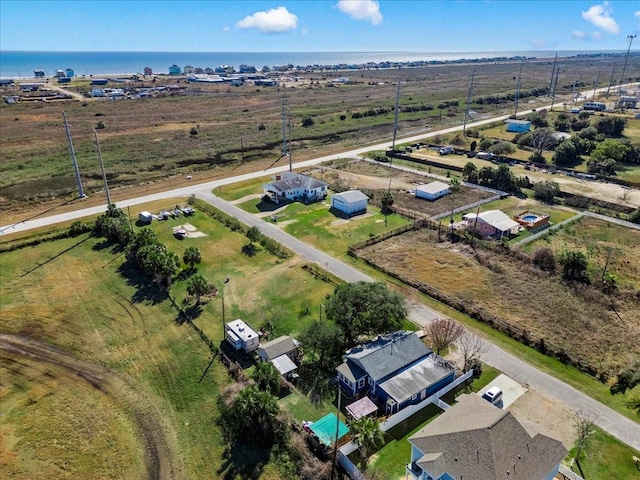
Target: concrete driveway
[[511, 390]]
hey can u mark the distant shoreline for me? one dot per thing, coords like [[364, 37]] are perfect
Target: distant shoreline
[[101, 64]]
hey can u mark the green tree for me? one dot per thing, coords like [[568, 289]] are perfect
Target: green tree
[[565, 153], [502, 148], [323, 345], [611, 126], [197, 286], [144, 236], [158, 263], [612, 149], [485, 144], [470, 172], [267, 377], [191, 256], [365, 308], [546, 191], [574, 266], [252, 417], [366, 434], [253, 234], [387, 201]]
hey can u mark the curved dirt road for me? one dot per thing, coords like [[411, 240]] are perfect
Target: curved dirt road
[[161, 461]]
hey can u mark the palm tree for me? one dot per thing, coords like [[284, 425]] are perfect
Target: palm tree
[[267, 377], [198, 286], [366, 434], [454, 186], [254, 414], [191, 256]]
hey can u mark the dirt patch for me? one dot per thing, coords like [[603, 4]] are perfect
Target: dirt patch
[[161, 460], [186, 230]]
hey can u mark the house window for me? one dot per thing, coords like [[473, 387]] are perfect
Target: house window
[[414, 396], [370, 381], [361, 383]]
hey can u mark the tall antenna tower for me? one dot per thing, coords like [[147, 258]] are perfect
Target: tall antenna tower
[[284, 126], [81, 193], [469, 98], [554, 85], [515, 113], [553, 72], [395, 123], [104, 175]]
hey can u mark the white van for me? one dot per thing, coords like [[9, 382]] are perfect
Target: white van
[[493, 395]]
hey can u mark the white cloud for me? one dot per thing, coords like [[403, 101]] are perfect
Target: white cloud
[[276, 20], [595, 35], [637, 14], [304, 31], [368, 10], [600, 16], [579, 34]]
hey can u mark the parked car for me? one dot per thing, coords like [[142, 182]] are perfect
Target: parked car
[[445, 150], [493, 395], [485, 156]]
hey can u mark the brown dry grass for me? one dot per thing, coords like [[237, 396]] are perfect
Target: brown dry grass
[[521, 295]]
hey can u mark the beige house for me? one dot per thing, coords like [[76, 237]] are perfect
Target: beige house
[[476, 440]]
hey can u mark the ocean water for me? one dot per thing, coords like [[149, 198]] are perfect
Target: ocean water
[[22, 64]]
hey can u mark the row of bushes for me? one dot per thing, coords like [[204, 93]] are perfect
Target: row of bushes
[[76, 228]]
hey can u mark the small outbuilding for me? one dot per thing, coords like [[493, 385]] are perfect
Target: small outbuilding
[[492, 223], [99, 81], [433, 190], [351, 202], [283, 345], [241, 336], [518, 126]]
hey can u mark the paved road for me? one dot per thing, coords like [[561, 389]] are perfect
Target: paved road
[[614, 423], [617, 425]]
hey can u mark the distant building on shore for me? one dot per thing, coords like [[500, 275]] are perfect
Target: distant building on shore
[[38, 73], [174, 70], [59, 73], [69, 73], [148, 71]]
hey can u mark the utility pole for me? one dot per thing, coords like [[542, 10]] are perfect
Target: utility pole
[[335, 443], [226, 280], [554, 83], [613, 69], [284, 128], [395, 123], [573, 91], [515, 113], [553, 72], [595, 84], [469, 98], [81, 193], [290, 149], [104, 175], [241, 151], [624, 69]]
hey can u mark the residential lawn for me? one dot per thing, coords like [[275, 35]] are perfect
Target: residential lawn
[[605, 458], [242, 189], [78, 294], [302, 409], [630, 173]]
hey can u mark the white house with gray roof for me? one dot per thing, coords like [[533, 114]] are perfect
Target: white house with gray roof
[[295, 187], [476, 440], [395, 370], [351, 202]]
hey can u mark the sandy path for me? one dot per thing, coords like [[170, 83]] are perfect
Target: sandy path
[[157, 437]]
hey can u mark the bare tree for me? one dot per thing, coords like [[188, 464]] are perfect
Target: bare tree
[[585, 424], [543, 139], [471, 348], [443, 332]]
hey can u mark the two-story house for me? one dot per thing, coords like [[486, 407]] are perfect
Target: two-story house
[[395, 370]]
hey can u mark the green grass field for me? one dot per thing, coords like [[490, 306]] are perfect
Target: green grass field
[[70, 292]]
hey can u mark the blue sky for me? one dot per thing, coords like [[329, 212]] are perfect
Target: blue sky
[[317, 25]]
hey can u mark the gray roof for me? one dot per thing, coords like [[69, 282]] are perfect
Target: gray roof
[[497, 219], [475, 439], [433, 187], [291, 181], [283, 364], [388, 354], [276, 347], [416, 378], [351, 196]]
